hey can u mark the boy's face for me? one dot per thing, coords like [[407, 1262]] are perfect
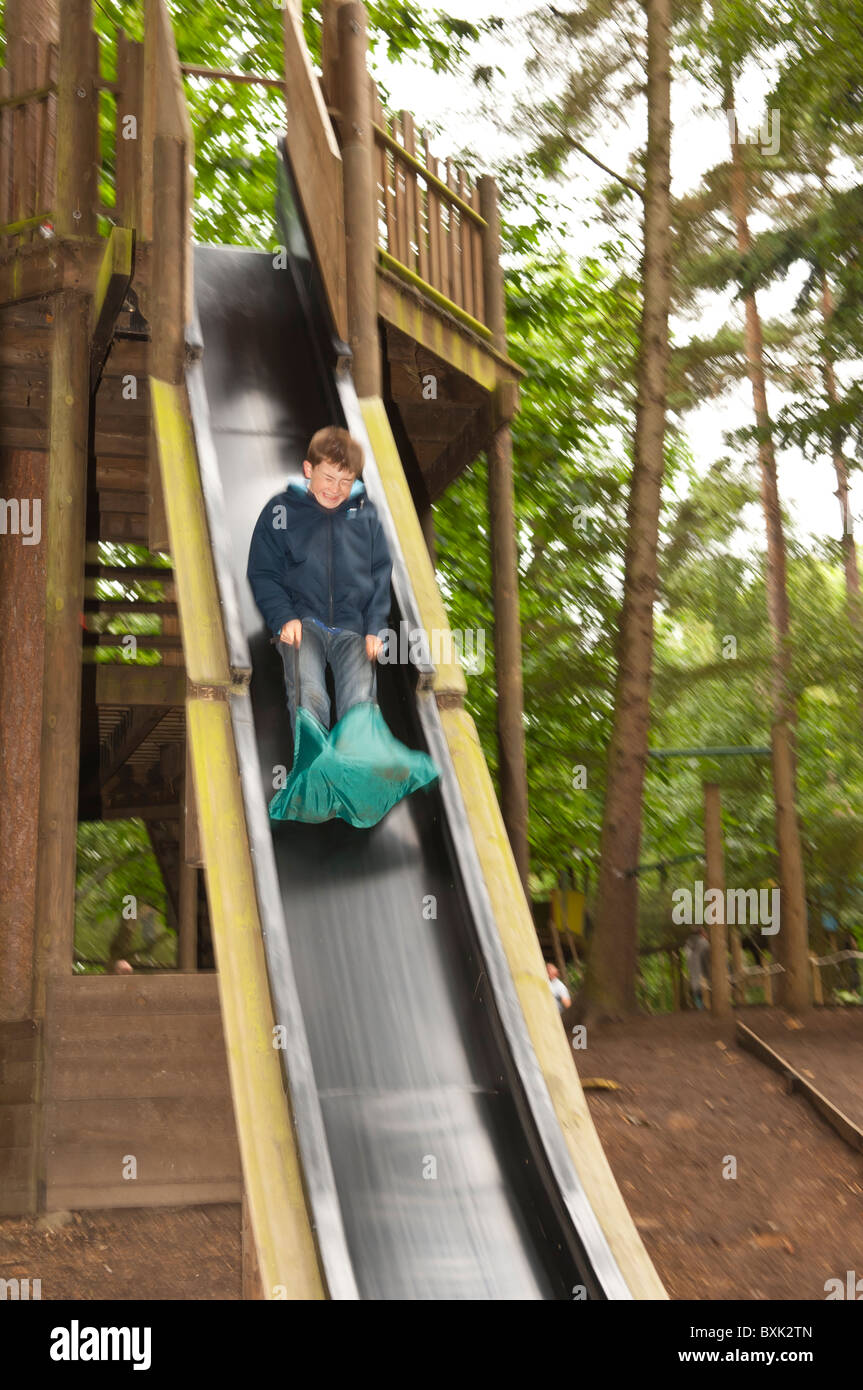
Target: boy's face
[[327, 483]]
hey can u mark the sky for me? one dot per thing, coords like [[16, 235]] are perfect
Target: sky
[[699, 140]]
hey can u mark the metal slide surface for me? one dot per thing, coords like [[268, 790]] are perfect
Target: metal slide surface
[[432, 1168]]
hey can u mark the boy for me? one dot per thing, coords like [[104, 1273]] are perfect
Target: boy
[[320, 569]]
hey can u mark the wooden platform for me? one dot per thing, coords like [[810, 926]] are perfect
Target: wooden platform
[[136, 1068], [19, 1043]]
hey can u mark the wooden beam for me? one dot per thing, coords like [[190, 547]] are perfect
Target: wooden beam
[[409, 310], [146, 642], [140, 722], [77, 122], [112, 283], [41, 268], [127, 685], [836, 1118], [141, 810], [317, 165], [227, 75], [96, 570], [512, 762], [200, 611], [192, 830], [64, 538], [128, 138]]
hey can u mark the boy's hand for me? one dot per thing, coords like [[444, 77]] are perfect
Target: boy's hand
[[374, 645], [292, 633]]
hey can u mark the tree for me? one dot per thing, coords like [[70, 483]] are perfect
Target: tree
[[610, 980]]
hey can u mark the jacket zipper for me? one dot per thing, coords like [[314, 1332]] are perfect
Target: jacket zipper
[[330, 564]]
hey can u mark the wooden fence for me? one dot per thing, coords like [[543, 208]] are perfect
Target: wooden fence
[[430, 228], [28, 101], [56, 165]]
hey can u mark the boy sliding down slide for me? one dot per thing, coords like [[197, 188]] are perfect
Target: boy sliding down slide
[[320, 569]]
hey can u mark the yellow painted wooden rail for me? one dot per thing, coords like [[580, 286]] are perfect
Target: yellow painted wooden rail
[[509, 905], [286, 1250]]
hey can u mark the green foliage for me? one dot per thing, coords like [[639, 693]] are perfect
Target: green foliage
[[575, 335], [115, 865]]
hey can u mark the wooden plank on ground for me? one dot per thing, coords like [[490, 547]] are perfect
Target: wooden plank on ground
[[836, 1118]]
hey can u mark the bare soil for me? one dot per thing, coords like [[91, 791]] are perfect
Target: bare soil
[[137, 1252], [692, 1102]]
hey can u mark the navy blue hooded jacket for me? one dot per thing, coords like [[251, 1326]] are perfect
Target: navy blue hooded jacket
[[309, 561]]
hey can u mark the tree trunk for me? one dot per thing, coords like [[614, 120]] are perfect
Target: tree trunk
[[791, 942], [840, 465], [612, 957]]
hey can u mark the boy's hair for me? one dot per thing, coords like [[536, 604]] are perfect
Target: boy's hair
[[337, 447]]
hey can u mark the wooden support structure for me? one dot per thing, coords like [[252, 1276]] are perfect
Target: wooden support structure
[[78, 122], [512, 765], [720, 993], [115, 274], [190, 858], [360, 201], [169, 308], [317, 164], [129, 131], [64, 538]]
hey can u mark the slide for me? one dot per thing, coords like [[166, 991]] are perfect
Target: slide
[[433, 1162]]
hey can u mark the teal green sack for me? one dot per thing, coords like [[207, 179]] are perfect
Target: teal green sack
[[357, 772]]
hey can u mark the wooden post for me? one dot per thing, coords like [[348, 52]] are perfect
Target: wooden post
[[64, 541], [128, 135], [720, 996], [77, 122], [330, 51], [22, 623], [167, 298], [433, 213], [676, 993], [187, 914], [252, 1286], [504, 566], [360, 199]]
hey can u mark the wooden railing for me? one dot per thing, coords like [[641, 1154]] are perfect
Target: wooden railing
[[54, 169], [431, 231], [28, 99]]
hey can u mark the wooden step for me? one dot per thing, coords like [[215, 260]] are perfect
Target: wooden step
[[136, 1065]]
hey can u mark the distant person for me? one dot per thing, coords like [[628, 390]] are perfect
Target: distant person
[[852, 968], [697, 953], [558, 988]]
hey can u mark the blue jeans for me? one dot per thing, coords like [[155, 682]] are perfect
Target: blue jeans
[[345, 653]]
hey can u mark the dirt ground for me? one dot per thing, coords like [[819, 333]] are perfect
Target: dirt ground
[[691, 1102], [138, 1252]]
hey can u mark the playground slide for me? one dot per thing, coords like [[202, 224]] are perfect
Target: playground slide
[[433, 1160]]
